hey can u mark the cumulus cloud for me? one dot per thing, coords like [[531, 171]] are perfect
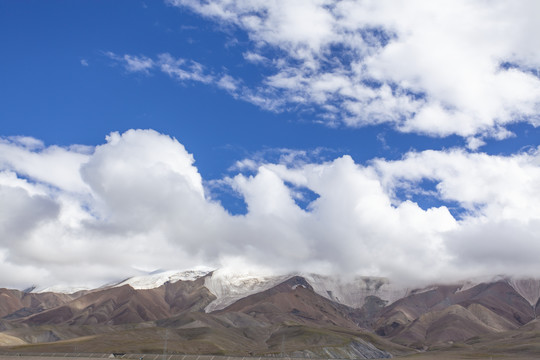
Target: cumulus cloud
[[462, 67], [138, 202], [487, 186], [29, 157]]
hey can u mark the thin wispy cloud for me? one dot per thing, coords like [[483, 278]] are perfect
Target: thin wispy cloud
[[177, 68], [186, 70], [133, 63]]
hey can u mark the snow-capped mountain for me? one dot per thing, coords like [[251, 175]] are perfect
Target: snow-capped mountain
[[61, 289], [158, 278], [229, 287], [353, 292], [250, 310]]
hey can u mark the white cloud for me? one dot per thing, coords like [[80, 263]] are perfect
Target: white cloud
[[26, 142], [138, 63], [228, 83], [475, 143], [423, 67], [133, 63], [488, 186], [254, 57], [29, 157], [181, 69], [140, 198], [138, 201], [177, 68]]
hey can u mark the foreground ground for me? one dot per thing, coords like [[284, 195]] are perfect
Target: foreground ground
[[423, 356]]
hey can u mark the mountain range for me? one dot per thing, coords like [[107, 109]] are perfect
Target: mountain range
[[301, 315]]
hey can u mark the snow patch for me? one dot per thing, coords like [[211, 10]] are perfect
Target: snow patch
[[528, 288], [488, 279], [230, 287], [157, 279], [61, 289], [354, 292], [424, 290]]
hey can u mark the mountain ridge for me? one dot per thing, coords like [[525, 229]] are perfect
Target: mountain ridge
[[220, 312]]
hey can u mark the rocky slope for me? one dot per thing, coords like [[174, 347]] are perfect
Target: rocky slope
[[124, 304], [15, 304]]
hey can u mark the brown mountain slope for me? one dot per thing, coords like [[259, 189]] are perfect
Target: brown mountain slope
[[293, 300], [500, 298], [453, 324], [8, 340], [446, 314], [15, 303], [123, 305], [522, 343], [289, 318], [187, 296], [395, 318], [115, 305]]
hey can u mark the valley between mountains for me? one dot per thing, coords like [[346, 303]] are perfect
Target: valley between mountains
[[300, 315]]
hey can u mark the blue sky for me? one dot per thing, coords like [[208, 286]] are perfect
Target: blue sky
[[262, 92], [49, 94]]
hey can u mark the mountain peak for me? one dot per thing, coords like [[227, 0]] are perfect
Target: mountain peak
[[157, 278]]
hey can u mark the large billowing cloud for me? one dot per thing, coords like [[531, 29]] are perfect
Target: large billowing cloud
[[137, 202], [458, 67]]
